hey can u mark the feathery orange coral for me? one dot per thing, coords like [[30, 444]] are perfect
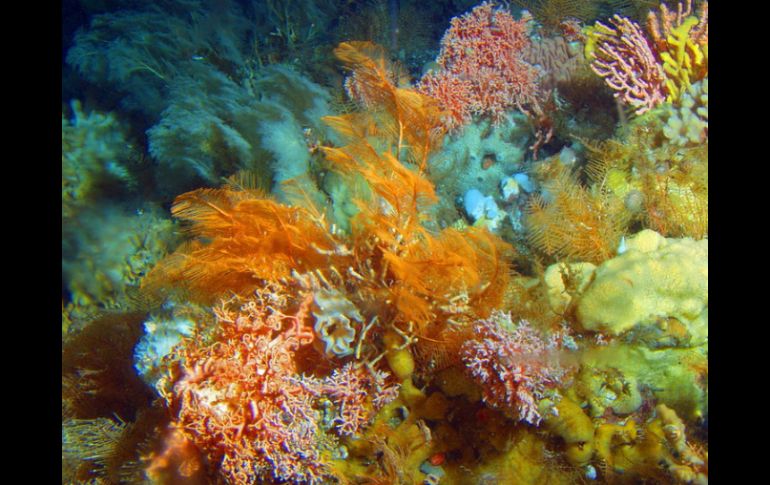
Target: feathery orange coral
[[241, 237], [394, 267], [413, 121], [577, 223], [420, 270]]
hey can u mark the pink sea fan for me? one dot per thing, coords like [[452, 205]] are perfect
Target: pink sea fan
[[481, 67], [516, 364], [627, 62]]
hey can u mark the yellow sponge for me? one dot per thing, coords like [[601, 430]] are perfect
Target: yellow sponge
[[654, 279], [568, 420]]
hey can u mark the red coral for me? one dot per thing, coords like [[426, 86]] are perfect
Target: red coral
[[236, 398], [482, 70], [515, 365]]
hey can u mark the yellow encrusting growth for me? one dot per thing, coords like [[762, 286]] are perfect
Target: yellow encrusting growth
[[655, 278], [568, 421]]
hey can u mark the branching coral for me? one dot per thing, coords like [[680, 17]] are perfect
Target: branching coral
[[622, 56], [515, 364], [357, 393], [482, 70], [682, 40], [240, 398], [236, 398], [644, 72]]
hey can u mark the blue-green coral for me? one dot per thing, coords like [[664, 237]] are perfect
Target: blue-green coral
[[94, 153], [225, 127], [108, 249]]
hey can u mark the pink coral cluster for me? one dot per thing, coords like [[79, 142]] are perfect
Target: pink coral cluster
[[236, 398], [634, 65], [516, 364], [358, 393], [481, 67], [626, 61]]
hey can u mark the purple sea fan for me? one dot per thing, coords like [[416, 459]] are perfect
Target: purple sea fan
[[516, 364]]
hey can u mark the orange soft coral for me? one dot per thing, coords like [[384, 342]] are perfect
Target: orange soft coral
[[412, 121], [392, 267], [242, 237]]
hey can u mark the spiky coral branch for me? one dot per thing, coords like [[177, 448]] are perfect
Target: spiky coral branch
[[515, 364]]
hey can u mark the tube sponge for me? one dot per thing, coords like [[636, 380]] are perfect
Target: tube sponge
[[654, 279]]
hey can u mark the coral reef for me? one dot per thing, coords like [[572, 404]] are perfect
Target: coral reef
[[486, 270]]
